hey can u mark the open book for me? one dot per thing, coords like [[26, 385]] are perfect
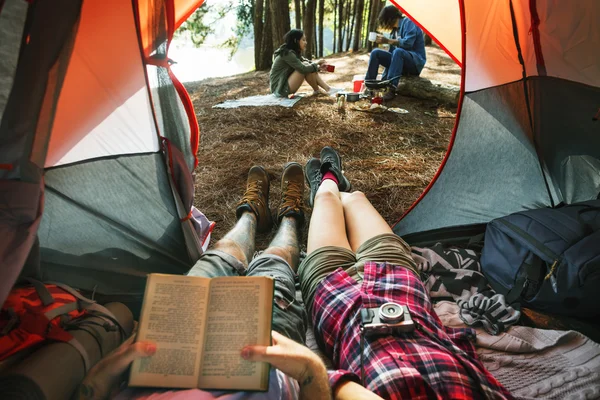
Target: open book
[[200, 326]]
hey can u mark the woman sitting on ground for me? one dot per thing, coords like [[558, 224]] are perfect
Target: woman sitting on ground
[[290, 69]]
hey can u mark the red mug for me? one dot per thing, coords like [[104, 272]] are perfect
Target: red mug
[[329, 68], [377, 100]]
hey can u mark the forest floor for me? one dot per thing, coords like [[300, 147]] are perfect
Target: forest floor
[[390, 157]]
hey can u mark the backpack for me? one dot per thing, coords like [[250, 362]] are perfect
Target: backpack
[[547, 259], [38, 312]]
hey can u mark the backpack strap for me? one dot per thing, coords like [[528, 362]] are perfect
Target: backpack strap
[[64, 309], [91, 305], [42, 291], [82, 352]]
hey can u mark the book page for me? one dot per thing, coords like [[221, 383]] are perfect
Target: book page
[[239, 314], [173, 317]]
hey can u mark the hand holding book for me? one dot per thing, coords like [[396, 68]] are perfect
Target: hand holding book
[[290, 357], [107, 375], [295, 360]]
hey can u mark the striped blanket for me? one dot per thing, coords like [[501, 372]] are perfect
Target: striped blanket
[[455, 274]]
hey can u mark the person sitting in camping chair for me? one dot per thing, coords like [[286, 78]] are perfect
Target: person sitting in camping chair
[[371, 313], [298, 368], [406, 55], [290, 69]]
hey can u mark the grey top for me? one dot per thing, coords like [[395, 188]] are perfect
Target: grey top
[[285, 63]]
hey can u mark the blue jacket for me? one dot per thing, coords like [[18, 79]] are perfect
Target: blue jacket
[[411, 39]]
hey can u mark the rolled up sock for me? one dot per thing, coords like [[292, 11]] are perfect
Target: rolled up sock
[[330, 175]]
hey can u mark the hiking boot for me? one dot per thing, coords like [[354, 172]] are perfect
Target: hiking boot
[[312, 173], [292, 193], [332, 162], [256, 199], [390, 94]]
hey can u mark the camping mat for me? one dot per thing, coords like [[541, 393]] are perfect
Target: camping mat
[[260, 101]]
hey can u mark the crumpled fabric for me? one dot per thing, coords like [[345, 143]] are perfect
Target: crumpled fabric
[[455, 274]]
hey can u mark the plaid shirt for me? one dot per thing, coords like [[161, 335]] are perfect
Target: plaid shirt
[[432, 362]]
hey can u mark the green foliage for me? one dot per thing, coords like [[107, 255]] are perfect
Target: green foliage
[[245, 14], [200, 24], [196, 25]]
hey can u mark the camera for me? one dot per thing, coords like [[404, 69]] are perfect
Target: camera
[[388, 319]]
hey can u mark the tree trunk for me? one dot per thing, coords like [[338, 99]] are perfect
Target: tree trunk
[[280, 20], [340, 25], [257, 21], [350, 23], [369, 7], [267, 39], [422, 88], [321, 18], [365, 24], [360, 8], [303, 12], [309, 27], [298, 13], [335, 21], [315, 34], [375, 9]]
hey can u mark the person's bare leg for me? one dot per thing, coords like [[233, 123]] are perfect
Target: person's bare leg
[[322, 83], [239, 241], [327, 225], [311, 79], [295, 80], [362, 219], [285, 244]]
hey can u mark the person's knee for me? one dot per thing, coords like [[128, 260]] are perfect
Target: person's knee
[[232, 248], [400, 53], [375, 53], [279, 251], [325, 194], [353, 197]]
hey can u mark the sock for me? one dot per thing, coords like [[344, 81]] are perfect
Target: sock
[[330, 175]]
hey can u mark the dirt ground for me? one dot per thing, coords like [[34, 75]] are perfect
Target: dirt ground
[[390, 157]]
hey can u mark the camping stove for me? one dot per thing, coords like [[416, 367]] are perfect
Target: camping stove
[[378, 89]]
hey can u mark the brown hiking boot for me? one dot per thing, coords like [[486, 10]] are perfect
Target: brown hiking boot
[[256, 199], [292, 193]]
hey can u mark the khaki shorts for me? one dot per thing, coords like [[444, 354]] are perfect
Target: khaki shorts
[[289, 316], [320, 263]]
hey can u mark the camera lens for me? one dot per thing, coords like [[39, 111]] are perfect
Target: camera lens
[[391, 312]]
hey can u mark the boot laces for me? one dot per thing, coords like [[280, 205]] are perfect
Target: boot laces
[[253, 193], [317, 176], [292, 196]]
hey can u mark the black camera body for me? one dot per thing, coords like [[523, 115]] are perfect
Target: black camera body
[[389, 319]]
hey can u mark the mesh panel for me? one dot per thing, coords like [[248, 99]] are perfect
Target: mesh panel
[[567, 135], [492, 171], [109, 222], [12, 20], [171, 117]]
